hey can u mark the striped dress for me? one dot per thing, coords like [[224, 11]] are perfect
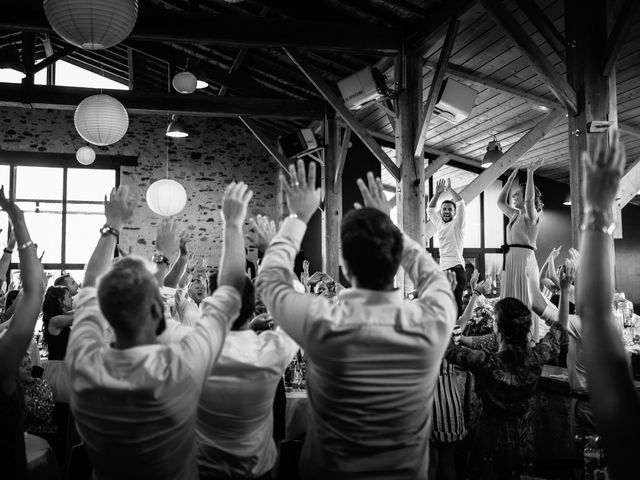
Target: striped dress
[[448, 420]]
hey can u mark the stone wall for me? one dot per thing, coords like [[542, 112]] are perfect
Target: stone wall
[[217, 152]]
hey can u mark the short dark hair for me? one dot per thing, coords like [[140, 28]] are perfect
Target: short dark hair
[[513, 320], [248, 305], [52, 306], [371, 247], [61, 281], [455, 207]]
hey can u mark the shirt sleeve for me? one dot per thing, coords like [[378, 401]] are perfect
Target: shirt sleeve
[[201, 347], [291, 310], [467, 358], [433, 216], [487, 342], [461, 214], [549, 346]]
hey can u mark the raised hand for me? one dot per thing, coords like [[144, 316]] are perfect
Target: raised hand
[[473, 281], [567, 274], [555, 252], [373, 194], [118, 209], [9, 206], [262, 231], [451, 277], [167, 238], [448, 184], [602, 174], [441, 186], [303, 198], [304, 275], [512, 177], [533, 166], [184, 241], [235, 203], [12, 239], [574, 255]]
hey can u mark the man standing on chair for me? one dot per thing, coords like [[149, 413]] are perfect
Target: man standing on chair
[[450, 222]]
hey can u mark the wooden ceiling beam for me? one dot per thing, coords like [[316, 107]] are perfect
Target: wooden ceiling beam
[[151, 103], [540, 63], [341, 158], [544, 25], [629, 185], [227, 30], [436, 84], [338, 105], [629, 130], [266, 143], [434, 166], [59, 55], [618, 35]]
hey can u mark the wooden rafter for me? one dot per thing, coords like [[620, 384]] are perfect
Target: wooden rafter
[[629, 185], [266, 143], [629, 130], [338, 105], [227, 30], [59, 55], [150, 103], [510, 157], [435, 165], [619, 33], [546, 28], [341, 157], [540, 63], [436, 83]]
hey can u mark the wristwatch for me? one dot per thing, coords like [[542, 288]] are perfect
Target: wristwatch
[[109, 230], [160, 258]]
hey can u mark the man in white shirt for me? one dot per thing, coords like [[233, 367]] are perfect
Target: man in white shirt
[[450, 222], [373, 357], [135, 401]]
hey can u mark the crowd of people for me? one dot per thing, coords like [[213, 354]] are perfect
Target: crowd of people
[[171, 373]]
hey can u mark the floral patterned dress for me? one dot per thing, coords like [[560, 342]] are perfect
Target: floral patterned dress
[[505, 382]]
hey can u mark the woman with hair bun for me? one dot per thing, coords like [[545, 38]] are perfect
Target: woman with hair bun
[[506, 382], [522, 204]]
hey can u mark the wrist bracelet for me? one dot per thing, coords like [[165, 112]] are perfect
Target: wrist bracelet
[[160, 258], [25, 245], [293, 215], [599, 221], [8, 251], [109, 230]]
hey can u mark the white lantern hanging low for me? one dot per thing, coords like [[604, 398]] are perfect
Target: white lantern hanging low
[[166, 197], [101, 120], [185, 82], [92, 24], [86, 155]]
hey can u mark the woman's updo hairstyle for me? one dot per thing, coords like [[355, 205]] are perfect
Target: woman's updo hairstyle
[[513, 321]]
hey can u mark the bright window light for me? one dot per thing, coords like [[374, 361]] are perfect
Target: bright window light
[[8, 75], [68, 75]]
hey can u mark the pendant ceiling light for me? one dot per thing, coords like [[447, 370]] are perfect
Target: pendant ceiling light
[[494, 152], [86, 155], [176, 128], [92, 24], [198, 71], [166, 197], [101, 120], [185, 82]]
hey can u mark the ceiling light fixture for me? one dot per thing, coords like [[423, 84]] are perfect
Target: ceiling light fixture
[[176, 128], [567, 200], [494, 152]]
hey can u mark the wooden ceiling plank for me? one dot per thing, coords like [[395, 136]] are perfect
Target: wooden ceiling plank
[[68, 98], [556, 83], [544, 26], [316, 80], [266, 143], [436, 84], [618, 35], [629, 130]]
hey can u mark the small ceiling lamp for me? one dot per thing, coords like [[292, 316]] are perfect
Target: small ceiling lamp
[[567, 200], [101, 120], [86, 155], [494, 152], [197, 70], [10, 60], [166, 197], [176, 128], [92, 24], [185, 82]]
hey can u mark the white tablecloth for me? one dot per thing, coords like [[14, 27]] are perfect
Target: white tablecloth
[[296, 414]]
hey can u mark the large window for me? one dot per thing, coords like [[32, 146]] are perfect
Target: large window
[[61, 205]]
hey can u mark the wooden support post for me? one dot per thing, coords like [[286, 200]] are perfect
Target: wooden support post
[[556, 83], [508, 160], [410, 194], [341, 159], [586, 31], [332, 213], [316, 80], [266, 143], [436, 84], [434, 166]]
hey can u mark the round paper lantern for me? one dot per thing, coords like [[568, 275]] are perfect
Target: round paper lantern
[[92, 24], [166, 197], [185, 82], [85, 155], [101, 120]]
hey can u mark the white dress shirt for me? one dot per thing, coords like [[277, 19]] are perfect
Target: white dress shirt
[[450, 236], [373, 364], [135, 409]]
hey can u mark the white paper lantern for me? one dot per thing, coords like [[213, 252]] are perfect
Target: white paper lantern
[[185, 82], [101, 120], [166, 197], [92, 24], [86, 155]]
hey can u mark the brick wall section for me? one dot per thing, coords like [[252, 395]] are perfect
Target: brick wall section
[[217, 152]]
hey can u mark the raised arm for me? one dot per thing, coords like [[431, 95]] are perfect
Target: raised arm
[[5, 260], [615, 402], [118, 210], [454, 195], [440, 188], [234, 210], [503, 197], [167, 244], [530, 194], [179, 267], [15, 341]]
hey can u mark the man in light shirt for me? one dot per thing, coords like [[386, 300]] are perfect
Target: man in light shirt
[[135, 401], [450, 222], [373, 357]]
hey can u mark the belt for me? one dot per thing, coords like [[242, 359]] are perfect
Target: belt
[[579, 396], [505, 249]]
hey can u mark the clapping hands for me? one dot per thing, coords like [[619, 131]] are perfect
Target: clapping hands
[[373, 194]]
